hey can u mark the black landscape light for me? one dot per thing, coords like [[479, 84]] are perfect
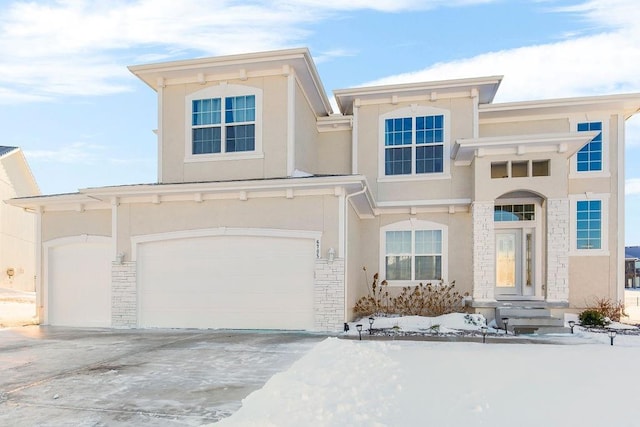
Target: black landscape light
[[612, 335], [371, 319], [505, 321], [484, 330], [572, 324], [359, 328]]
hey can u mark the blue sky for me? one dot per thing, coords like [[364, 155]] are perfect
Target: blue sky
[[67, 98]]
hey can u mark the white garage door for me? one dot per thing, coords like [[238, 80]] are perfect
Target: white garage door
[[240, 282], [79, 284]]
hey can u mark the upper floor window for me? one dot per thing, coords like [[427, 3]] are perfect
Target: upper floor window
[[590, 158], [413, 143], [224, 123], [236, 127]]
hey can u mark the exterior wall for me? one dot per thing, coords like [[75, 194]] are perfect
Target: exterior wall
[[356, 284], [72, 223], [459, 185], [274, 136], [334, 153], [306, 134], [458, 255], [17, 227], [523, 127], [329, 295]]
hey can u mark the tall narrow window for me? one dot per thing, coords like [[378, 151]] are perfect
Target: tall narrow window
[[589, 158], [589, 224]]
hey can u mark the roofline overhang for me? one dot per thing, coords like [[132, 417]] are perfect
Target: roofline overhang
[[628, 103], [563, 143], [240, 66], [486, 88], [103, 197]]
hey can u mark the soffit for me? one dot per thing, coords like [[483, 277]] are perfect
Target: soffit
[[243, 66], [486, 88]]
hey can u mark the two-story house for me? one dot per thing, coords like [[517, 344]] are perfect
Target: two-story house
[[268, 205]]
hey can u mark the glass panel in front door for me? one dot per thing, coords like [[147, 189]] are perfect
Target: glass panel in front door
[[508, 262]]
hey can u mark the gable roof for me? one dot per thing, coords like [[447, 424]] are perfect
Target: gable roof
[[243, 66]]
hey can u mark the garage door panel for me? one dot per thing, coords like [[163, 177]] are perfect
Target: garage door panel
[[227, 282], [79, 284]]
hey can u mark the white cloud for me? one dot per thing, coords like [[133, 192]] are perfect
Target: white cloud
[[632, 187], [75, 47], [607, 62], [76, 153]]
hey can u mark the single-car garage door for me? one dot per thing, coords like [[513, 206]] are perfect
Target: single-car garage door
[[79, 283], [240, 282]]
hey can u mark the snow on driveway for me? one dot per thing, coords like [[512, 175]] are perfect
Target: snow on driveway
[[580, 381]]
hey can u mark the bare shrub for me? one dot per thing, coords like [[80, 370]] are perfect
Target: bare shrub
[[613, 310], [377, 302], [429, 300]]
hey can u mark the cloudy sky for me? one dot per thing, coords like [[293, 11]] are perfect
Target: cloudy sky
[[67, 98]]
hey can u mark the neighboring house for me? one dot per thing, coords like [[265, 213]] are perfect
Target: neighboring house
[[17, 227], [632, 267], [268, 206]]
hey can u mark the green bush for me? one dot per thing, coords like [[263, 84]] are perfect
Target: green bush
[[592, 317]]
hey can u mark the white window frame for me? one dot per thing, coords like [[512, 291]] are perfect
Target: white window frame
[[412, 112], [223, 91], [606, 148], [414, 225], [604, 225]]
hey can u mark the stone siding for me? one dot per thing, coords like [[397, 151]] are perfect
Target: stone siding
[[328, 305], [124, 300], [483, 251], [558, 250]]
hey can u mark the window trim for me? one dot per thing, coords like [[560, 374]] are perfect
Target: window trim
[[414, 225], [412, 112], [604, 224], [606, 147], [223, 91]]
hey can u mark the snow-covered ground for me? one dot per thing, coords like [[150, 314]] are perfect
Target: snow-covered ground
[[578, 379]]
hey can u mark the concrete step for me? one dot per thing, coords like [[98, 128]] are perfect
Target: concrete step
[[522, 312], [534, 325]]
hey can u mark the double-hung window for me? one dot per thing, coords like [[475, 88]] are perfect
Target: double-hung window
[[218, 130], [413, 252], [590, 158], [414, 145]]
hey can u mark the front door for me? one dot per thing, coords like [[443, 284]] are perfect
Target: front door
[[508, 262]]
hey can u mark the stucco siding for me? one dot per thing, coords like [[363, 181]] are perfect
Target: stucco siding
[[524, 127], [306, 134], [334, 153], [71, 223]]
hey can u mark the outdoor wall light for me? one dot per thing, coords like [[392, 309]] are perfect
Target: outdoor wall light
[[571, 325], [484, 331], [612, 335], [371, 319], [505, 321], [120, 257], [331, 254], [11, 272], [359, 328]]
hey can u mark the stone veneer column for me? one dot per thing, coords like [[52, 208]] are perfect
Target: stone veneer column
[[558, 250], [484, 259], [124, 295], [328, 304]]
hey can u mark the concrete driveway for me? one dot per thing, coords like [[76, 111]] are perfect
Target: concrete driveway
[[52, 376]]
